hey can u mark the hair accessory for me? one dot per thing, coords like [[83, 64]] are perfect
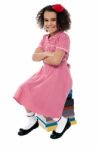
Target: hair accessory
[[58, 8]]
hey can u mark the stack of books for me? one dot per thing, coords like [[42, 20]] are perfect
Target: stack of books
[[72, 120], [49, 124], [68, 110]]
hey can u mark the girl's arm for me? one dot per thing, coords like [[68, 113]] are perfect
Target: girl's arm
[[55, 59], [40, 55]]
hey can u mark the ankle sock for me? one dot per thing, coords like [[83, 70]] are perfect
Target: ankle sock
[[30, 114], [61, 124], [30, 120], [56, 119]]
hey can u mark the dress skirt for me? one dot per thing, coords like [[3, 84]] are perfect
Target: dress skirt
[[45, 92]]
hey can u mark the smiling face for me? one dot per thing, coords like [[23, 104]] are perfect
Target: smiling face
[[50, 22]]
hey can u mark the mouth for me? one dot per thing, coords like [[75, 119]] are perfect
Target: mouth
[[50, 28]]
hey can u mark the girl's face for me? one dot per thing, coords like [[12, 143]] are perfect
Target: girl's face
[[50, 22]]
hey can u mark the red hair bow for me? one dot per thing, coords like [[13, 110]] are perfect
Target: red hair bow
[[58, 7]]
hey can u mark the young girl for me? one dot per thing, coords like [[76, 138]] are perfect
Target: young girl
[[46, 91]]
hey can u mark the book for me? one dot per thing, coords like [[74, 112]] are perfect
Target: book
[[70, 94], [72, 120], [52, 124], [68, 112], [46, 119], [69, 102], [47, 128], [46, 123]]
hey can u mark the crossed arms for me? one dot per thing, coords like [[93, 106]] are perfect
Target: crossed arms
[[51, 58]]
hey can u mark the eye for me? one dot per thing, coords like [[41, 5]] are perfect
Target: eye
[[45, 20], [53, 19]]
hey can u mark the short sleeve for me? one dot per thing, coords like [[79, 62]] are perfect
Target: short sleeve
[[63, 42], [41, 44]]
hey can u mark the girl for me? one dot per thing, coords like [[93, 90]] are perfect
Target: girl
[[46, 91]]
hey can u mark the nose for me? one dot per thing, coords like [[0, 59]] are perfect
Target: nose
[[49, 22]]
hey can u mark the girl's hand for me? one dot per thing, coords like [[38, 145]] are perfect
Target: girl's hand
[[42, 55], [49, 53]]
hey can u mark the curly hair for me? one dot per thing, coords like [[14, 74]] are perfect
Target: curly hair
[[63, 18]]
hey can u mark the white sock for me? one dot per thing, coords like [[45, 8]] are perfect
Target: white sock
[[30, 114], [30, 120], [56, 119], [61, 124]]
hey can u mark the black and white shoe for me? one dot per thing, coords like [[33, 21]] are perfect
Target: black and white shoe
[[56, 135], [22, 132]]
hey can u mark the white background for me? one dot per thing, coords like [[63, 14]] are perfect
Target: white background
[[19, 36]]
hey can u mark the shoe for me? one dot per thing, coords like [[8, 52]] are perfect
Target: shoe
[[24, 131], [56, 135]]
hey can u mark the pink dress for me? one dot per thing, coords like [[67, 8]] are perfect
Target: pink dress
[[45, 92]]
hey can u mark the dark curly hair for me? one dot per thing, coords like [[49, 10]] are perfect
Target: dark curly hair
[[63, 18]]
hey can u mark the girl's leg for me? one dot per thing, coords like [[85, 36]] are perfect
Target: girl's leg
[[27, 110], [30, 119], [30, 124], [61, 124]]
